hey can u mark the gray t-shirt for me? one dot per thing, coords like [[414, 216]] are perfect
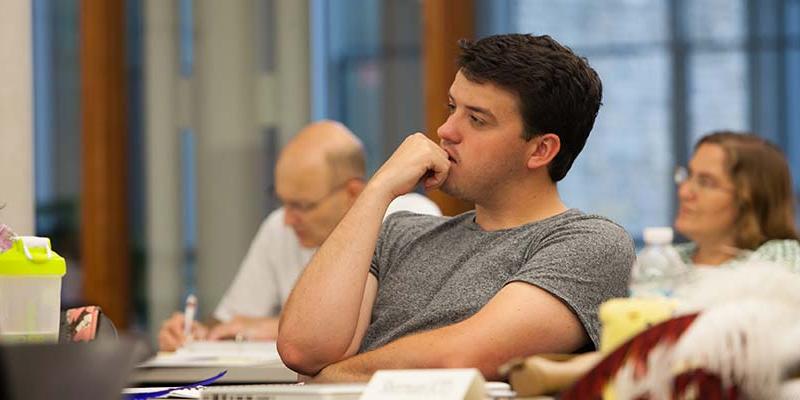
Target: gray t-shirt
[[436, 271]]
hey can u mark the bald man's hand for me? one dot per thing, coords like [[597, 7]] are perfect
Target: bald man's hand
[[417, 160], [170, 336]]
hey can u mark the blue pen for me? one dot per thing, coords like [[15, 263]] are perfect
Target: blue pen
[[163, 392]]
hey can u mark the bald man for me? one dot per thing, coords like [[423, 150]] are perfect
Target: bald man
[[319, 174]]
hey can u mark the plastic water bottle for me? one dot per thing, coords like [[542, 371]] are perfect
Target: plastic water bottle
[[658, 269]]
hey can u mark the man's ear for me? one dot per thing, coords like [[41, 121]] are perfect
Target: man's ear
[[543, 149]]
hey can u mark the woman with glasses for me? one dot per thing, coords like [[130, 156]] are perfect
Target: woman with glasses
[[736, 203]]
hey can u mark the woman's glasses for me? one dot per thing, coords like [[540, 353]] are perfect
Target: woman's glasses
[[699, 183]]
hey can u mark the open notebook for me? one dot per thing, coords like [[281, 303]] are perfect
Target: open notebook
[[329, 391], [246, 362]]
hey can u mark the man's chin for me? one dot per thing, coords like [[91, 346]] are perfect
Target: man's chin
[[304, 240], [450, 188], [308, 243]]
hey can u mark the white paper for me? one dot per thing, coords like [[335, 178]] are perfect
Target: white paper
[[423, 384], [218, 354]]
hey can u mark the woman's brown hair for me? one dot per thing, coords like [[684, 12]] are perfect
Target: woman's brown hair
[[763, 184]]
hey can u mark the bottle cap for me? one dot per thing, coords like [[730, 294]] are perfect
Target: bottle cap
[[31, 255], [658, 235]]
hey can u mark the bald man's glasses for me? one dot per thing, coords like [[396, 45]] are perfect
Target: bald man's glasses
[[305, 207]]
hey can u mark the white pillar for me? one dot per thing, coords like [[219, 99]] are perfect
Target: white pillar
[[16, 117], [162, 163], [293, 75], [236, 102], [228, 143], [250, 77]]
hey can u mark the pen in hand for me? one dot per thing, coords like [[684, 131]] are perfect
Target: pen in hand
[[188, 316]]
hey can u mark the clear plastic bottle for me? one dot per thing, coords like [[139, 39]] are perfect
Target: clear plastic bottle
[[658, 269]]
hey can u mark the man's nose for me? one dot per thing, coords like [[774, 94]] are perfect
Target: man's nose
[[447, 131], [290, 217]]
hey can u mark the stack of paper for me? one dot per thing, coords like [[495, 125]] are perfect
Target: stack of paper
[[218, 354], [246, 362]]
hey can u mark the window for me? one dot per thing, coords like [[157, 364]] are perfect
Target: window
[[672, 72], [368, 70], [57, 133]]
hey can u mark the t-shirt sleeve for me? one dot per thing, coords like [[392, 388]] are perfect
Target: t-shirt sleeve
[[397, 230], [254, 291], [381, 246], [583, 264]]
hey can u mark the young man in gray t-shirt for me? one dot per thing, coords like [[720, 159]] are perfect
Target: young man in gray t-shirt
[[521, 274]]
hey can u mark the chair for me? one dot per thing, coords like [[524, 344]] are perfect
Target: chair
[[83, 324]]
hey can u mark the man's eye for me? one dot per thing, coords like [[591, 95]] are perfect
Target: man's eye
[[297, 205], [476, 121], [451, 108]]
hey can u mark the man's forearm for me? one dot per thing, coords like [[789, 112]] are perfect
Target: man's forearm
[[321, 314], [263, 328], [360, 368], [343, 371], [520, 320], [251, 328], [432, 349]]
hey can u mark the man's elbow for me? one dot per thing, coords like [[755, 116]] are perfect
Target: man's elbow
[[298, 360], [302, 358]]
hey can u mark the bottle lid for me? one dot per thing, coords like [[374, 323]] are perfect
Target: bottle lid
[[658, 235], [31, 255]]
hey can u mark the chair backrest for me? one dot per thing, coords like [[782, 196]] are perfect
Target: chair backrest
[[84, 324]]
